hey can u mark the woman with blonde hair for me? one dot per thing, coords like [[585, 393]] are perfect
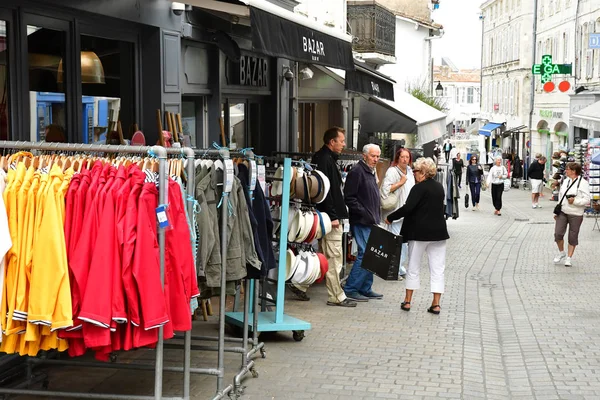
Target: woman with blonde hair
[[495, 180], [424, 228], [398, 182]]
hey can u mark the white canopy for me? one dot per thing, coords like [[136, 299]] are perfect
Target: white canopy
[[588, 118]]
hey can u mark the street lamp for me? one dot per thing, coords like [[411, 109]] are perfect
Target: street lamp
[[439, 90]]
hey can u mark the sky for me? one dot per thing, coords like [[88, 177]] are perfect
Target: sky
[[462, 33]]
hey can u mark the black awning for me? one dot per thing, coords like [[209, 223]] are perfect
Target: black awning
[[376, 116], [370, 83], [279, 37]]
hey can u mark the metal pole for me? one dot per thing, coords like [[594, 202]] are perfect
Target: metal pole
[[162, 199], [532, 94], [187, 356], [247, 295], [285, 204]]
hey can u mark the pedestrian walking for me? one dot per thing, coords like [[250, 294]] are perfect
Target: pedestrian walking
[[334, 141], [398, 182], [495, 180], [361, 194], [474, 179], [425, 230], [536, 180], [575, 197], [537, 158], [447, 149], [457, 166]]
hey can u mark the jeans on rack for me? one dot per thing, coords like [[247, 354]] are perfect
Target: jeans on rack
[[475, 192], [359, 280]]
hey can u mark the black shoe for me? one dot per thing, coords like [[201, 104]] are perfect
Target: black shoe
[[373, 295], [300, 295], [433, 310], [345, 303], [357, 297]]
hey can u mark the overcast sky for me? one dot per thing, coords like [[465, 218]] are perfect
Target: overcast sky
[[462, 33]]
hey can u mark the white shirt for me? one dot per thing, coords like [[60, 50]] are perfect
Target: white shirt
[[497, 174], [582, 196], [392, 176]]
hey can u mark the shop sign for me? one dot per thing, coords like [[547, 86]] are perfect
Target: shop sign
[[551, 114], [594, 42], [546, 69], [279, 37], [250, 71]]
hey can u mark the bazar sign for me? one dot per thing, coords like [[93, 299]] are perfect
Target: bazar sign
[[551, 114]]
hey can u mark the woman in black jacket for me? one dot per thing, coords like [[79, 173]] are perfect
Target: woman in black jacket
[[424, 229], [474, 175]]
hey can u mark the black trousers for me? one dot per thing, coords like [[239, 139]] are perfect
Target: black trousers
[[497, 190], [447, 154]]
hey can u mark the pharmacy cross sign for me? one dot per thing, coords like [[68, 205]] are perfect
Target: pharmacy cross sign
[[546, 69]]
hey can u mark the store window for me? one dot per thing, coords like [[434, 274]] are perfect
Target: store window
[[47, 72], [4, 122], [108, 90]]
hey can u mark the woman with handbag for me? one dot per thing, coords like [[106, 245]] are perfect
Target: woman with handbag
[[474, 175], [398, 182], [574, 197], [495, 180]]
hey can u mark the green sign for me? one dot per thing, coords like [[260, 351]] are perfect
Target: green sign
[[546, 69]]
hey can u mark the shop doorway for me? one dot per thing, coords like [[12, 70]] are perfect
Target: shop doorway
[[242, 124], [313, 120]]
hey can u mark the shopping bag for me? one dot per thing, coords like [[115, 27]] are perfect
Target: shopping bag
[[506, 185], [382, 255], [467, 200]]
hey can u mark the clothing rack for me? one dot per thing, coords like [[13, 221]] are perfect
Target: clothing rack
[[161, 154], [272, 321], [247, 365]]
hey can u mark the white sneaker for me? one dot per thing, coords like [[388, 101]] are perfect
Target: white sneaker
[[559, 257], [538, 206], [568, 262], [534, 206]]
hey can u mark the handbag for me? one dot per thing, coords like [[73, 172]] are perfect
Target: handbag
[[383, 253], [391, 201], [558, 207]]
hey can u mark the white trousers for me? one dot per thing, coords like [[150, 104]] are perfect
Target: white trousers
[[436, 255]]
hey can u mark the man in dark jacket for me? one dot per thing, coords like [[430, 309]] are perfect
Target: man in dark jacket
[[362, 198], [333, 205]]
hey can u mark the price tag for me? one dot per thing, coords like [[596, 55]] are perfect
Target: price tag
[[161, 216], [228, 176], [346, 226], [262, 173], [253, 173]]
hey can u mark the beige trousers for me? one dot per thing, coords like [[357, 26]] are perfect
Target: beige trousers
[[331, 247]]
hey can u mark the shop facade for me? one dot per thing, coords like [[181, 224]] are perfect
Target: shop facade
[[585, 123], [77, 66], [72, 69]]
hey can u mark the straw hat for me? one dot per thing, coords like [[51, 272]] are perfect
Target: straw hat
[[290, 264], [324, 186], [324, 267]]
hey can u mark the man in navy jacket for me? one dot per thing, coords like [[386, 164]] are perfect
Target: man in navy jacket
[[361, 194]]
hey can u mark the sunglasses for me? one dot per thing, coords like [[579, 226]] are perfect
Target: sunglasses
[[416, 170]]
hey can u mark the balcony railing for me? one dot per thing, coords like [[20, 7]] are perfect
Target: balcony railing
[[373, 28]]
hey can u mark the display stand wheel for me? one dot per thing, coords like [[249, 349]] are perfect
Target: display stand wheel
[[298, 335]]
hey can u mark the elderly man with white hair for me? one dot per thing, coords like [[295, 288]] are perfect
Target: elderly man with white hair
[[361, 194]]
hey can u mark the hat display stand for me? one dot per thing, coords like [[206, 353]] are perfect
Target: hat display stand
[[270, 316]]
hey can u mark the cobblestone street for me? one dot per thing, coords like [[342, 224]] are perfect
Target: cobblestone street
[[513, 326]]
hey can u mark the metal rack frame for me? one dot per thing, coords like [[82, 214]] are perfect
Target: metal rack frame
[[271, 321], [161, 154]]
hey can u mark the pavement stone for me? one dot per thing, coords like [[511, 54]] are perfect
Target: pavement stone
[[513, 326]]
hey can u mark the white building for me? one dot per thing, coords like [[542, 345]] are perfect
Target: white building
[[507, 58], [413, 51], [460, 93]]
